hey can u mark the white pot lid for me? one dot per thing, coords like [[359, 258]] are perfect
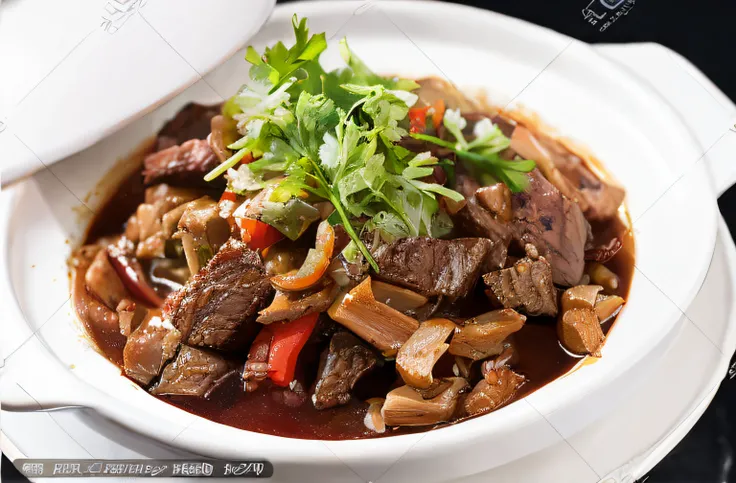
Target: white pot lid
[[78, 75]]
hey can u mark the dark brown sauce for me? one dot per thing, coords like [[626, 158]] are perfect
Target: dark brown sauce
[[541, 358]]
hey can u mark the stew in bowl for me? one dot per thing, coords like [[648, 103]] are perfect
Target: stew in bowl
[[340, 255]]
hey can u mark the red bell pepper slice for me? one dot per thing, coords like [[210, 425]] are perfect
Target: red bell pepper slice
[[228, 196], [257, 234], [418, 119], [247, 159], [288, 340], [439, 112], [131, 273]]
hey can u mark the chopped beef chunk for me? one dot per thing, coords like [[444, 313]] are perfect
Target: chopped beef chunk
[[526, 286], [103, 281], [149, 347], [432, 266], [345, 361], [217, 308], [599, 199], [602, 197], [492, 392], [555, 225], [194, 372], [191, 122], [476, 220], [101, 322], [184, 164]]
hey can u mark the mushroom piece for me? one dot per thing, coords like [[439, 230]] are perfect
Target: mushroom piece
[[496, 199], [580, 297], [202, 231], [580, 332], [601, 275], [131, 229], [223, 133], [462, 367], [384, 327], [373, 419], [607, 306], [496, 389], [130, 316], [288, 306], [406, 406], [483, 336], [170, 220], [281, 259], [399, 298], [149, 222], [418, 355]]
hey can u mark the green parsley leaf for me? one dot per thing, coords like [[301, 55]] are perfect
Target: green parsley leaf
[[482, 153]]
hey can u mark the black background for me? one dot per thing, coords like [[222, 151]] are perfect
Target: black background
[[703, 31]]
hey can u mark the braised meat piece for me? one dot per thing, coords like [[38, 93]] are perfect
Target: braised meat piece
[[218, 306], [100, 321], [526, 286], [555, 225], [103, 281], [255, 369], [474, 219], [194, 372], [599, 199], [185, 164], [191, 122], [149, 347], [431, 266], [493, 391], [345, 361]]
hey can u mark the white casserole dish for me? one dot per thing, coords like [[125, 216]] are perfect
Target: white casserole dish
[[584, 96]]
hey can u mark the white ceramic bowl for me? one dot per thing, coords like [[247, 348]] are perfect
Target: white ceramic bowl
[[626, 124]]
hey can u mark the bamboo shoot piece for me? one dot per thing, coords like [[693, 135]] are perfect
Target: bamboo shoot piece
[[418, 355], [483, 336], [405, 406], [375, 322]]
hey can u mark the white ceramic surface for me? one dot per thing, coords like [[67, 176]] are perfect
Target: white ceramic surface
[[102, 64], [656, 151]]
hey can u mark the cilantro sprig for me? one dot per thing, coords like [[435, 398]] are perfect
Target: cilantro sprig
[[333, 135], [482, 153]]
